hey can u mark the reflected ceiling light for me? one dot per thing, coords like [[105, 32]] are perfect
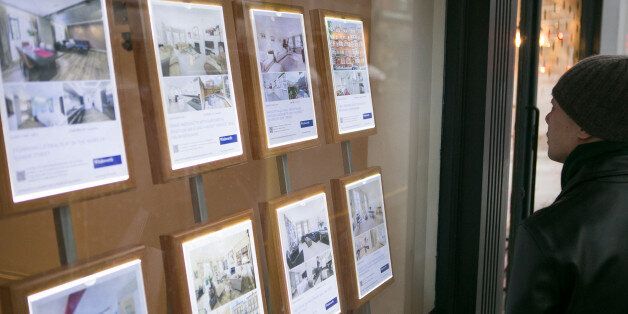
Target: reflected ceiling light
[[543, 41], [518, 38]]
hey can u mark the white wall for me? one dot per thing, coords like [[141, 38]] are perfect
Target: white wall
[[407, 55], [614, 35]]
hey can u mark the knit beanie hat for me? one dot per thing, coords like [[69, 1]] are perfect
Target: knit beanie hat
[[594, 93]]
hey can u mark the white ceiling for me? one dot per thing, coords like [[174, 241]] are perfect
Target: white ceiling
[[41, 9]]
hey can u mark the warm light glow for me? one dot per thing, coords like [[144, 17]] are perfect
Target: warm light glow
[[560, 35], [543, 41], [518, 39], [541, 69]]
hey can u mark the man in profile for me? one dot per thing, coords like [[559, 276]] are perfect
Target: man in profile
[[572, 257]]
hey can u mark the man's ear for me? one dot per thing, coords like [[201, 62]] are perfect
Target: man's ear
[[584, 135]]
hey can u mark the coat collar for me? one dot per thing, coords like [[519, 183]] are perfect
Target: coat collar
[[592, 161]]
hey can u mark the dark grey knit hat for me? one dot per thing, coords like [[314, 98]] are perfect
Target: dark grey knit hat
[[594, 93]]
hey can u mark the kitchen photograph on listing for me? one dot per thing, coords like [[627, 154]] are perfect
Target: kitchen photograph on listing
[[190, 39], [351, 83], [197, 93]]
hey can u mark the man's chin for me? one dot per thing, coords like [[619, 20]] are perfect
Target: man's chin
[[555, 158]]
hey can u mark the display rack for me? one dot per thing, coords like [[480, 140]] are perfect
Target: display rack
[[65, 234], [197, 193], [153, 115]]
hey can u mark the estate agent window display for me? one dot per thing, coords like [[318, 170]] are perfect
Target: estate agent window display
[[62, 136]]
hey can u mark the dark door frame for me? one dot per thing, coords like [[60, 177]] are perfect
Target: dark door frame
[[527, 114], [477, 107], [527, 119]]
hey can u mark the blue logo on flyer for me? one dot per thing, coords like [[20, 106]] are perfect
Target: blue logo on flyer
[[107, 161], [331, 303], [228, 139], [307, 123], [384, 268], [367, 115]]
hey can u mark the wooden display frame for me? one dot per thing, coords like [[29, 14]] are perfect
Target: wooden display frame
[[278, 286], [172, 245], [9, 207], [151, 92], [326, 82], [343, 223], [250, 77], [14, 295]]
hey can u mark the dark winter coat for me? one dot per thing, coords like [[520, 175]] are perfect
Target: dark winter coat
[[572, 257]]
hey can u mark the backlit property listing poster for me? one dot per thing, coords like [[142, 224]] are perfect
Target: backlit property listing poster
[[369, 234], [222, 271], [119, 289], [309, 264], [60, 113], [196, 82], [282, 61], [352, 90]]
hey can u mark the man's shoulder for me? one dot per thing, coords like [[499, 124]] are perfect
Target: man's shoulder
[[591, 203]]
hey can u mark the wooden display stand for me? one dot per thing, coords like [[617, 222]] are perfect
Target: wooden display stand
[[151, 92], [342, 213], [251, 78], [172, 245]]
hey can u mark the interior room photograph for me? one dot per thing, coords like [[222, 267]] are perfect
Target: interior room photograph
[[197, 93], [184, 94], [279, 43], [115, 294], [309, 274], [38, 106], [363, 245], [351, 82], [223, 271], [190, 40], [366, 207], [369, 242], [63, 40], [215, 91], [275, 86], [87, 102], [306, 235]]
